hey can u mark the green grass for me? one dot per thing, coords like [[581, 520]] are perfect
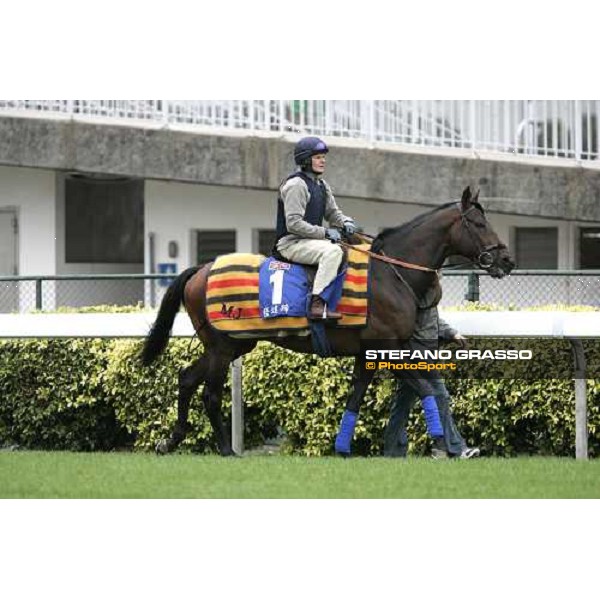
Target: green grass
[[121, 475]]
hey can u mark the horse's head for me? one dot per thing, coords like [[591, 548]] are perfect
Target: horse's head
[[472, 236]]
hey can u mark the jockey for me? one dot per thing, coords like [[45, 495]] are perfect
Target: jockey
[[305, 200]]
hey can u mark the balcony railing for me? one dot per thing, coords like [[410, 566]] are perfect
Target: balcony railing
[[565, 129]]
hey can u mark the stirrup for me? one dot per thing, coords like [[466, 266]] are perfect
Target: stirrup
[[331, 315]]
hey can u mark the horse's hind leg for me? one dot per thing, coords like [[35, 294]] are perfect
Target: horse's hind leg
[[212, 398], [189, 380]]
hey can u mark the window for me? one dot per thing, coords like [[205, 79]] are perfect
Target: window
[[589, 247], [104, 220], [266, 241], [211, 243], [536, 247]]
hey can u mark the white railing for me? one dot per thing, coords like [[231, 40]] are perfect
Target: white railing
[[550, 128]]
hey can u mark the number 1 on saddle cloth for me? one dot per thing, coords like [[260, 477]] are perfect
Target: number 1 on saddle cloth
[[284, 289]]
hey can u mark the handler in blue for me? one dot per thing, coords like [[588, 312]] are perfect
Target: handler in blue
[[305, 200], [430, 329]]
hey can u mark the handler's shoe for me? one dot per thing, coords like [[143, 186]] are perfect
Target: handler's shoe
[[468, 453], [438, 454]]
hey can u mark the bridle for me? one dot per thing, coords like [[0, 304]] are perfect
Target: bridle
[[484, 259]]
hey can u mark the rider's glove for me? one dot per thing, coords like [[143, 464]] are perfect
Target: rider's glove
[[333, 234], [350, 227]]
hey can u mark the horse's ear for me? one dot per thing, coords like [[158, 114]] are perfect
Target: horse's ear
[[476, 196], [466, 198]]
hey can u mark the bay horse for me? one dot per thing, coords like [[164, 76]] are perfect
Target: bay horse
[[404, 263]]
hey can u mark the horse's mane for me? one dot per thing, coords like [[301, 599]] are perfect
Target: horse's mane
[[407, 227]]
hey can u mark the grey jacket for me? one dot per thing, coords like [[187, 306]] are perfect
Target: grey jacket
[[295, 196], [429, 326]]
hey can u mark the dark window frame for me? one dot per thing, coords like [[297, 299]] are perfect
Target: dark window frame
[[211, 243], [104, 221], [533, 250], [589, 249], [264, 241]]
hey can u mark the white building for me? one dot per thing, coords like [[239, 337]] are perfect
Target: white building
[[138, 187]]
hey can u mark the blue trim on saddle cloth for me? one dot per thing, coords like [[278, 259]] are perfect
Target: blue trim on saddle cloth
[[283, 290], [333, 292]]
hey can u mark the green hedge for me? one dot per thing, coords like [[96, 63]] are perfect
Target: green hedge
[[52, 396], [94, 395]]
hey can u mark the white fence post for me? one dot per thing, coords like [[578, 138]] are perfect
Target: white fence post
[[237, 408], [581, 429]]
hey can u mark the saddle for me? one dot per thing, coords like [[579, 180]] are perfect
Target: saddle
[[244, 289]]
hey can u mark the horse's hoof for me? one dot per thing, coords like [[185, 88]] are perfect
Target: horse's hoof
[[343, 454], [231, 454], [162, 447]]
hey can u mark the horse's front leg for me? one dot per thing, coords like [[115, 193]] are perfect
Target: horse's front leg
[[361, 378]]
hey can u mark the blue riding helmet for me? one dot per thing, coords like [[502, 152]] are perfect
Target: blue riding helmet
[[306, 148]]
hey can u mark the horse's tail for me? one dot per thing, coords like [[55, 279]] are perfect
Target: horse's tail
[[158, 338]]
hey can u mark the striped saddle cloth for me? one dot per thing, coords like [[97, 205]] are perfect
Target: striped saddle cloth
[[233, 296]]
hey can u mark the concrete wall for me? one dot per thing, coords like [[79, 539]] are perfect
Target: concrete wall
[[547, 188], [32, 192]]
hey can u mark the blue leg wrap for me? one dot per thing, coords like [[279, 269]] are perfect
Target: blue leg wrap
[[346, 433], [432, 417]]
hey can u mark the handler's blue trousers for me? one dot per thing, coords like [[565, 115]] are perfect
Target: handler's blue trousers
[[395, 442]]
